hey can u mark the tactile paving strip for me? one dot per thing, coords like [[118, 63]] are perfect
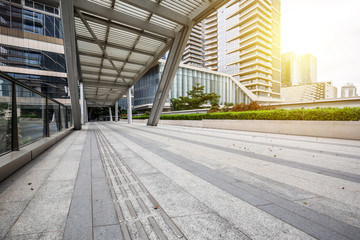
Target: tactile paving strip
[[140, 215]]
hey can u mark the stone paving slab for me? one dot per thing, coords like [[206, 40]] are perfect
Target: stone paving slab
[[120, 181]]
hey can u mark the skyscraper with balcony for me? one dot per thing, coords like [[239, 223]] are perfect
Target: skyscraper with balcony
[[243, 39], [31, 46], [194, 50]]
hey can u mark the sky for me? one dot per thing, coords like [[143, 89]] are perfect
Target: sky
[[328, 29]]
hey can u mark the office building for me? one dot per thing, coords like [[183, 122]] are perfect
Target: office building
[[298, 70], [31, 46], [186, 77], [194, 50], [243, 39], [349, 90], [309, 92]]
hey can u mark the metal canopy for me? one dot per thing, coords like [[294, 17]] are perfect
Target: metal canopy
[[118, 41]]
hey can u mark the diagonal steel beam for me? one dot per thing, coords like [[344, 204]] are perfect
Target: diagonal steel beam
[[117, 16], [168, 74], [113, 45], [159, 10], [98, 42]]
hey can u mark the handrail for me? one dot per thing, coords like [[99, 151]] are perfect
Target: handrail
[[11, 79]]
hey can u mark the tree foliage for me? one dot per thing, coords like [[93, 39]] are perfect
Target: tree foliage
[[195, 99]]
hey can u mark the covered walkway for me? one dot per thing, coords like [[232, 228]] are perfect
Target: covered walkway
[[119, 181]]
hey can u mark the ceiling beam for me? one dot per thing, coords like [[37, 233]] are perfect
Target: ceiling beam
[[117, 16], [159, 10], [106, 85], [114, 45], [106, 67], [106, 74], [96, 55], [124, 28]]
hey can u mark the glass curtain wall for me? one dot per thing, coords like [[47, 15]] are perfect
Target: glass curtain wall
[[185, 78]]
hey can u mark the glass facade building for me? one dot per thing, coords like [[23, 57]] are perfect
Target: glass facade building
[[31, 46], [31, 17], [186, 77]]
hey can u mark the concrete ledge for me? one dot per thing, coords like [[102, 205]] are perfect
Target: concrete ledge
[[331, 129], [11, 162]]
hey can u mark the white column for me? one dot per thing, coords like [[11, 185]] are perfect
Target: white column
[[117, 111], [86, 112], [67, 17], [129, 108], [110, 113], [82, 103]]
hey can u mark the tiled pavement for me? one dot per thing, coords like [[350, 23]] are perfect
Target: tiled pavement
[[119, 181]]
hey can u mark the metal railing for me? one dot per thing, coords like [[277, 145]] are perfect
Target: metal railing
[[27, 115]]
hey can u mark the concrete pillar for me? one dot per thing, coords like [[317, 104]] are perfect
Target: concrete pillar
[[110, 113], [116, 111], [82, 107], [129, 108]]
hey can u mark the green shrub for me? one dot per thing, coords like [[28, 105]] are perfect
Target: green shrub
[[320, 114]]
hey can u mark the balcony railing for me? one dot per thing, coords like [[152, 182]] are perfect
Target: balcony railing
[[27, 115]]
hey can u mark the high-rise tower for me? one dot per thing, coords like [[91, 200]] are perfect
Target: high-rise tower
[[298, 70], [243, 39]]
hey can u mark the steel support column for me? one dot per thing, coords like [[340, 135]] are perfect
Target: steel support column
[[67, 17], [117, 111], [171, 66], [110, 114], [86, 111], [129, 108], [82, 107]]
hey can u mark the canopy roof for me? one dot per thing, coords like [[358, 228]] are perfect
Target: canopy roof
[[118, 41]]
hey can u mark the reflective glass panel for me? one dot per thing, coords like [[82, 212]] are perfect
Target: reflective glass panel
[[31, 115], [69, 116], [5, 115], [62, 116], [53, 117]]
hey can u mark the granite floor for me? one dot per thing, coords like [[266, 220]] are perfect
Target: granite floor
[[119, 181]]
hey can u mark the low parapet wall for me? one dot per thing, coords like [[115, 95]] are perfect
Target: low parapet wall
[[330, 129]]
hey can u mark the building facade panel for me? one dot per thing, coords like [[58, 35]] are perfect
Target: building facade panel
[[309, 92], [31, 46]]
